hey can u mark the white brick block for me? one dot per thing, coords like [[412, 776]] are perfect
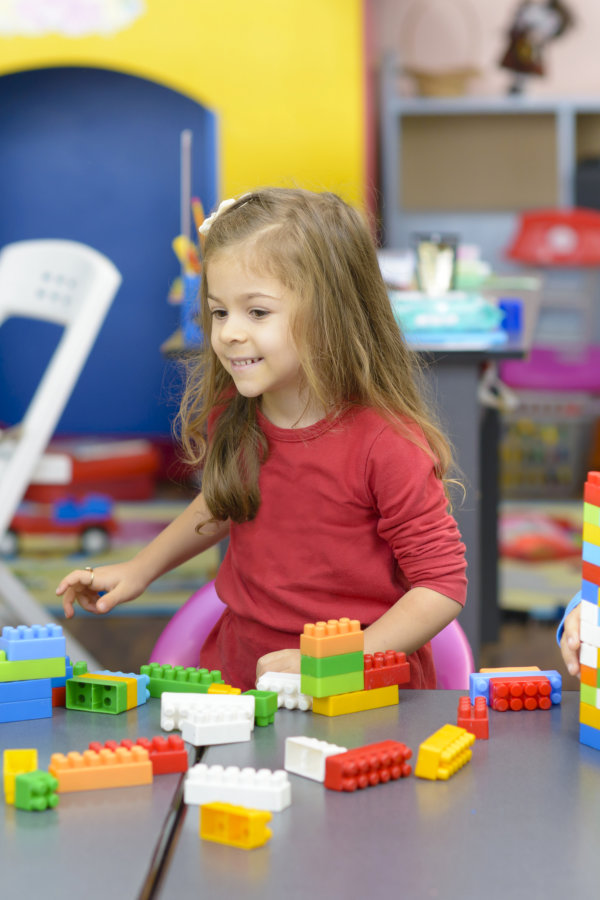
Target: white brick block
[[287, 687], [258, 789], [217, 725], [175, 708], [588, 656], [589, 612], [306, 756], [589, 634]]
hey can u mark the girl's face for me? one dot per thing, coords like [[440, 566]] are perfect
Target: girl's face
[[251, 335]]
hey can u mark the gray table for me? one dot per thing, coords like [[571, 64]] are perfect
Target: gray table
[[519, 821]]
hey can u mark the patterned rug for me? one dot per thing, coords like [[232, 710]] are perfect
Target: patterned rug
[[44, 560]]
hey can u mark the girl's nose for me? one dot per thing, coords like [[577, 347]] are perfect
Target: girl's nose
[[232, 330]]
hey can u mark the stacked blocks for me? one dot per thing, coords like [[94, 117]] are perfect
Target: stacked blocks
[[517, 689], [31, 658], [589, 706], [16, 762], [167, 755], [106, 692], [256, 789]]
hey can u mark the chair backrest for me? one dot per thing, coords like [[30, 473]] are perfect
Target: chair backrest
[[71, 285], [181, 640]]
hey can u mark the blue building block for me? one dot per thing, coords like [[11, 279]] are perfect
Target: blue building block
[[24, 710], [589, 591], [17, 691], [33, 642], [60, 682], [589, 736], [479, 682], [143, 681]]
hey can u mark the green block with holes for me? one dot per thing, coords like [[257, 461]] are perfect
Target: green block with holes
[[96, 695]]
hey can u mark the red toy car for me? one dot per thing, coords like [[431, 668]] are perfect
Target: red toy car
[[90, 517]]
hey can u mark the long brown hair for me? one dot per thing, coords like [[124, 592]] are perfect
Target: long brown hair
[[351, 349]]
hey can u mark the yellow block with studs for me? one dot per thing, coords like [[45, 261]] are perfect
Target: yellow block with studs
[[444, 753], [237, 826]]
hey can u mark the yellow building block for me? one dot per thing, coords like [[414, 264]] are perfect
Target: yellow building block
[[589, 715], [332, 638], [216, 688], [92, 770], [237, 826], [16, 762], [130, 683], [591, 533], [356, 701], [444, 753], [512, 669]]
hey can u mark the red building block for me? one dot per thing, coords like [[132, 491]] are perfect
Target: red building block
[[59, 696], [591, 491], [516, 693], [167, 755], [367, 766], [590, 572], [384, 669], [474, 719]]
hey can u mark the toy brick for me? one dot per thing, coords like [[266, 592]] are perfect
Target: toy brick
[[130, 686], [140, 683], [479, 682], [588, 694], [265, 706], [177, 679], [444, 753], [516, 694], [15, 691], [591, 534], [306, 756], [223, 689], [589, 676], [383, 669], [59, 696], [591, 493], [591, 514], [26, 710], [325, 666], [589, 656], [16, 762], [589, 634], [333, 684], [287, 687], [220, 724], [501, 670], [262, 789], [332, 638], [90, 770], [589, 715], [342, 704], [96, 695], [236, 826], [33, 642], [590, 572], [175, 708], [474, 718], [36, 791], [590, 592], [367, 766], [590, 553], [30, 669], [589, 612], [589, 736], [167, 755]]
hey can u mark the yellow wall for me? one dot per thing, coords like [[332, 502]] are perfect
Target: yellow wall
[[285, 78]]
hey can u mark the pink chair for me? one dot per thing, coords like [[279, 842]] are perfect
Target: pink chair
[[180, 642]]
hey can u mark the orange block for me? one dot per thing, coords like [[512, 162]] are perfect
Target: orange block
[[589, 676], [91, 770], [332, 638]]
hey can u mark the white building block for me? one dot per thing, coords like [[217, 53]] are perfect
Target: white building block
[[174, 708], [217, 725], [262, 789], [306, 756], [588, 656], [589, 634], [287, 687], [589, 612]]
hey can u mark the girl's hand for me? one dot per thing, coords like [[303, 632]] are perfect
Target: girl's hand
[[278, 661], [569, 642], [117, 584]]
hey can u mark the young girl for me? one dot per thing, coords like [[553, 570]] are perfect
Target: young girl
[[321, 463]]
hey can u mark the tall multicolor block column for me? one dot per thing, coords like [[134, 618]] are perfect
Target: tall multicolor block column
[[332, 658], [589, 707]]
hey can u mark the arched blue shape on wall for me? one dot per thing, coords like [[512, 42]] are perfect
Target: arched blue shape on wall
[[94, 156]]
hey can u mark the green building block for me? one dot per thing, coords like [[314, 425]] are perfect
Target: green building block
[[96, 695], [325, 666], [588, 694], [178, 679], [265, 706], [333, 684], [36, 791], [30, 669]]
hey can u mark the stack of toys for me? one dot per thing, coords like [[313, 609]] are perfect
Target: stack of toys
[[589, 706], [33, 663]]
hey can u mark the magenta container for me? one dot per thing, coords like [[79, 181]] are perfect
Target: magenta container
[[554, 369]]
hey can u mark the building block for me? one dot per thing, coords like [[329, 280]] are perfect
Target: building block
[[59, 696], [589, 736], [589, 656], [17, 691], [140, 683], [262, 789], [29, 669], [367, 766], [591, 493], [176, 708], [324, 666], [287, 687], [591, 514], [332, 638], [265, 706], [59, 692], [35, 791], [589, 634], [33, 642], [96, 695], [16, 762], [93, 770], [590, 591], [444, 753], [342, 704], [26, 710], [589, 675], [479, 682], [333, 684], [589, 695], [589, 715], [306, 756], [474, 718], [167, 755], [590, 572], [217, 688], [236, 826], [512, 693], [590, 553], [219, 724], [591, 533], [383, 669], [589, 612], [178, 679], [502, 670]]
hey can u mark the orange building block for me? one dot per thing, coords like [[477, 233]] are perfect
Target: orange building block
[[589, 676], [332, 638], [92, 770]]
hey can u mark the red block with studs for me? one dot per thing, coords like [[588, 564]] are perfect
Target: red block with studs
[[367, 766], [384, 669], [516, 693], [474, 719], [167, 754]]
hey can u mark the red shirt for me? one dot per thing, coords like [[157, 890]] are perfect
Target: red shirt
[[352, 516]]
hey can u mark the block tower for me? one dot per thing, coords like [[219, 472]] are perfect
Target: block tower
[[589, 707], [32, 665]]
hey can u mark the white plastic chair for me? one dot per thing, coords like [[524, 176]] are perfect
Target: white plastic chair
[[69, 284]]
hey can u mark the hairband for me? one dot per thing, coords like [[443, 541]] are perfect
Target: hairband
[[223, 207]]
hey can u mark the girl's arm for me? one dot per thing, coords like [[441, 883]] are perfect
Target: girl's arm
[[176, 544], [568, 635], [413, 620]]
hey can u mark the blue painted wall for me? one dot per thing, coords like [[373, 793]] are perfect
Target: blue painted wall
[[93, 156]]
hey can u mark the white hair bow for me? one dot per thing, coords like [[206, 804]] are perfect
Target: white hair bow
[[223, 206]]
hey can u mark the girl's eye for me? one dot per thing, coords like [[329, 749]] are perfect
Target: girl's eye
[[259, 313], [218, 313]]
